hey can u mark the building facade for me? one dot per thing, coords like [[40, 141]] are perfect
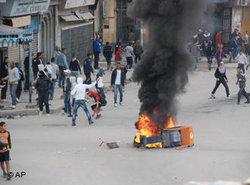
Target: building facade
[[64, 23], [112, 21]]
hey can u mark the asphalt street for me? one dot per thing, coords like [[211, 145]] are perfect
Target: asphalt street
[[50, 151]]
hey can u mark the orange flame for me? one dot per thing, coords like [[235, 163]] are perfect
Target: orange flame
[[148, 128]]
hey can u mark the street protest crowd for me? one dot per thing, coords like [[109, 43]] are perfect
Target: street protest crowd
[[237, 49], [68, 74], [77, 90]]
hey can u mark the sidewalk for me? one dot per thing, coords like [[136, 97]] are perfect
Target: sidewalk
[[23, 108], [56, 105]]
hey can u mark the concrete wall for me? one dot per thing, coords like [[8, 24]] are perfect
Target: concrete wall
[[109, 22]]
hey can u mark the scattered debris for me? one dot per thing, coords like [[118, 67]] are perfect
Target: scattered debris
[[111, 145]]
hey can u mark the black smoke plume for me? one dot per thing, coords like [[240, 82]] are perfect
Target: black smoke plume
[[166, 61]]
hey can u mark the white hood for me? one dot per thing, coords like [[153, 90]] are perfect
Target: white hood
[[80, 89], [80, 80]]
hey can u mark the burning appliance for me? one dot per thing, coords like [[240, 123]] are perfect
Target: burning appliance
[[149, 135]]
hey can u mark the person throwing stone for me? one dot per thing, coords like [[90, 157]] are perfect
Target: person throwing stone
[[79, 93]]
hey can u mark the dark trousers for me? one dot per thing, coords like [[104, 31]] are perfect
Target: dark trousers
[[243, 92], [19, 89], [137, 56], [4, 90], [209, 61], [129, 62], [108, 63], [43, 98], [242, 66], [96, 65], [67, 104], [88, 78], [61, 76], [26, 82], [247, 49], [35, 74], [218, 84]]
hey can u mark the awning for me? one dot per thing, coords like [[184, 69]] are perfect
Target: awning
[[85, 15], [70, 18], [21, 21], [78, 16], [11, 37]]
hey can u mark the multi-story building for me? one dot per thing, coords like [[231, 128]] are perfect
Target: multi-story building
[[112, 21], [232, 14], [63, 23]]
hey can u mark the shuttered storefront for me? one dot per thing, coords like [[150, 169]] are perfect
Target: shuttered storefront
[[78, 40]]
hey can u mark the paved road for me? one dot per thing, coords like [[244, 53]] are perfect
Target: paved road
[[53, 152]]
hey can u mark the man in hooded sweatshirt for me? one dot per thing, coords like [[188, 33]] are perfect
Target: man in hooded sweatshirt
[[79, 93]]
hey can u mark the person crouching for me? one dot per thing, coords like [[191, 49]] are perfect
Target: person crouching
[[96, 106]]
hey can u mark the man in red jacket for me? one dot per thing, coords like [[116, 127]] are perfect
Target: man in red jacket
[[96, 106]]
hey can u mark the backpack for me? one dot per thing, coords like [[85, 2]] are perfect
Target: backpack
[[103, 101]]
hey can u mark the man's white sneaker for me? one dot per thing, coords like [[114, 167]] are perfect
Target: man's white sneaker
[[48, 115], [13, 106], [40, 113], [229, 97], [121, 104], [17, 100], [212, 96], [115, 104]]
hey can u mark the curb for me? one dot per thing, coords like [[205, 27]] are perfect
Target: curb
[[27, 112]]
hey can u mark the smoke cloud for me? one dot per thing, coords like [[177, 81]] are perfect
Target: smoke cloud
[[166, 61]]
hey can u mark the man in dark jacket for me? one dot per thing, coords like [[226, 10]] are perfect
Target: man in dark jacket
[[107, 52], [87, 68], [43, 85], [74, 66], [118, 82], [138, 51], [26, 72], [3, 74], [37, 61]]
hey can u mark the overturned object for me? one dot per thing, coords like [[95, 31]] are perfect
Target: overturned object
[[111, 145], [179, 137]]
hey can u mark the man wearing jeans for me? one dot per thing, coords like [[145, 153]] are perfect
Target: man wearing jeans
[[63, 65], [129, 55], [117, 81], [79, 93]]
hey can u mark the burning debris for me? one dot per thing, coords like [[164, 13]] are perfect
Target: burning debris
[[149, 135], [165, 62]]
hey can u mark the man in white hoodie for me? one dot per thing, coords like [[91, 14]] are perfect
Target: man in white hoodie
[[242, 61], [79, 93]]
